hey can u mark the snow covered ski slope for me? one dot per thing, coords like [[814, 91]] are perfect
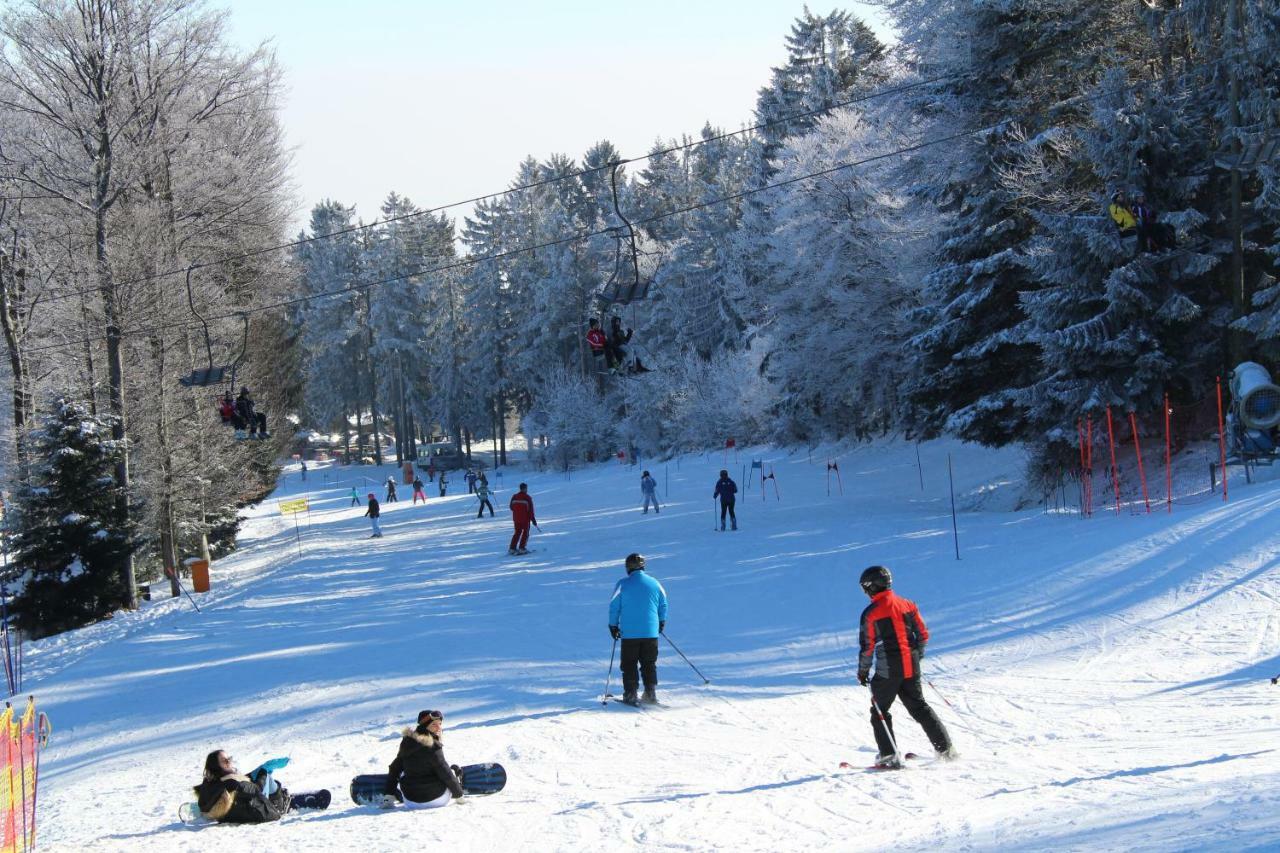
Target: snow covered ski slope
[[1107, 680]]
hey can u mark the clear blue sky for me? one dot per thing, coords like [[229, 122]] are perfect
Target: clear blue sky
[[439, 100]]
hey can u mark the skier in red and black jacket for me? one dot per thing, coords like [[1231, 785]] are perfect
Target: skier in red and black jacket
[[599, 344], [893, 634]]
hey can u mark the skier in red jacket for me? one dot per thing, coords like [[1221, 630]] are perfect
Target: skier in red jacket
[[893, 632], [522, 516]]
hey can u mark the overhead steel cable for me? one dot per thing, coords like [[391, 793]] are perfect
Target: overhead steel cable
[[587, 234]]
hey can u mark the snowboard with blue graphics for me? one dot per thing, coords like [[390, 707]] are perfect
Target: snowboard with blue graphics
[[478, 780]]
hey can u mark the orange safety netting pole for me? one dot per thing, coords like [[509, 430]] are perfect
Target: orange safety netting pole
[[1168, 469], [1222, 441], [1137, 448], [1115, 475]]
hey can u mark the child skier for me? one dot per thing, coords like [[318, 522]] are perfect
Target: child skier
[[417, 491], [355, 497], [372, 514], [892, 632], [649, 488], [391, 490], [482, 492], [444, 483]]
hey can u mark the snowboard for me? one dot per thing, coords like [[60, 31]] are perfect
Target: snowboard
[[478, 780], [190, 814]]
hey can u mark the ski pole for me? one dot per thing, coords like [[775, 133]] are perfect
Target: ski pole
[[875, 706], [173, 573], [705, 680], [604, 700], [1276, 679]]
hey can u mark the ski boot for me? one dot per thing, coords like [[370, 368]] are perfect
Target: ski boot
[[511, 552], [522, 551], [888, 762], [735, 524], [650, 696], [948, 754], [722, 527], [629, 698]]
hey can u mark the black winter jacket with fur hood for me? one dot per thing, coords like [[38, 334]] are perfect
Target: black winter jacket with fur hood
[[420, 768]]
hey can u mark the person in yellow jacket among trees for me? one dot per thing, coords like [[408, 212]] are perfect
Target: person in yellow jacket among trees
[[1122, 215]]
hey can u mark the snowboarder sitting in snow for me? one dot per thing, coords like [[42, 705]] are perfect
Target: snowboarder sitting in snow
[[892, 632], [420, 773], [649, 488], [418, 491], [228, 797], [726, 491], [522, 516], [638, 616]]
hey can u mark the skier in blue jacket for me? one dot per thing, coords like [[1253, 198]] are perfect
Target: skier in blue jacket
[[637, 616]]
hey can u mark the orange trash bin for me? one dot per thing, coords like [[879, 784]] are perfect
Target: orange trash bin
[[200, 575]]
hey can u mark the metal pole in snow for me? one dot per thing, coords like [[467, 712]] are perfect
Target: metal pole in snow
[[1222, 441], [1168, 471], [955, 528], [919, 467]]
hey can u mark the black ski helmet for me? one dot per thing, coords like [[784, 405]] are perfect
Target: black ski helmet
[[875, 579], [635, 562]]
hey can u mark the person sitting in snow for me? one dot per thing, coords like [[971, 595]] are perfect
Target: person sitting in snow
[[228, 796], [420, 773]]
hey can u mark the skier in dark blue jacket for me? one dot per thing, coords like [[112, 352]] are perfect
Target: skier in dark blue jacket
[[726, 491], [637, 616]]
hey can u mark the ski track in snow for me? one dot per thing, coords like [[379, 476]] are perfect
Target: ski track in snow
[[1108, 679]]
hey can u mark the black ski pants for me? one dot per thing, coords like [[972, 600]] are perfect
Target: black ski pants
[[485, 503], [644, 653], [727, 507], [911, 692]]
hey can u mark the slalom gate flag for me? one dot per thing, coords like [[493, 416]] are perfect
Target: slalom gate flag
[[294, 506], [19, 776]]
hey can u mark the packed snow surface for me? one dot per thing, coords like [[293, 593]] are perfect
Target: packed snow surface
[[1106, 680]]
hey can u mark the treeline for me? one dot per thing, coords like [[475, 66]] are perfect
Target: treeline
[[138, 149], [913, 238]]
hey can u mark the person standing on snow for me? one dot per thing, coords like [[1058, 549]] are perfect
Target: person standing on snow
[[638, 616], [482, 492], [372, 514], [892, 632], [727, 492], [391, 490], [355, 497], [471, 481], [444, 483], [302, 466], [522, 516], [649, 488], [417, 490]]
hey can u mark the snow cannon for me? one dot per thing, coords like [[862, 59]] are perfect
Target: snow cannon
[[1255, 411]]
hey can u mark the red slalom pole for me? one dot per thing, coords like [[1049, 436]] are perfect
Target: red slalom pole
[[1088, 457], [1115, 475], [1168, 470], [1137, 448], [1222, 441]]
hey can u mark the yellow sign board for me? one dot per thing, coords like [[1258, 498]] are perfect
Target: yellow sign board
[[294, 506]]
